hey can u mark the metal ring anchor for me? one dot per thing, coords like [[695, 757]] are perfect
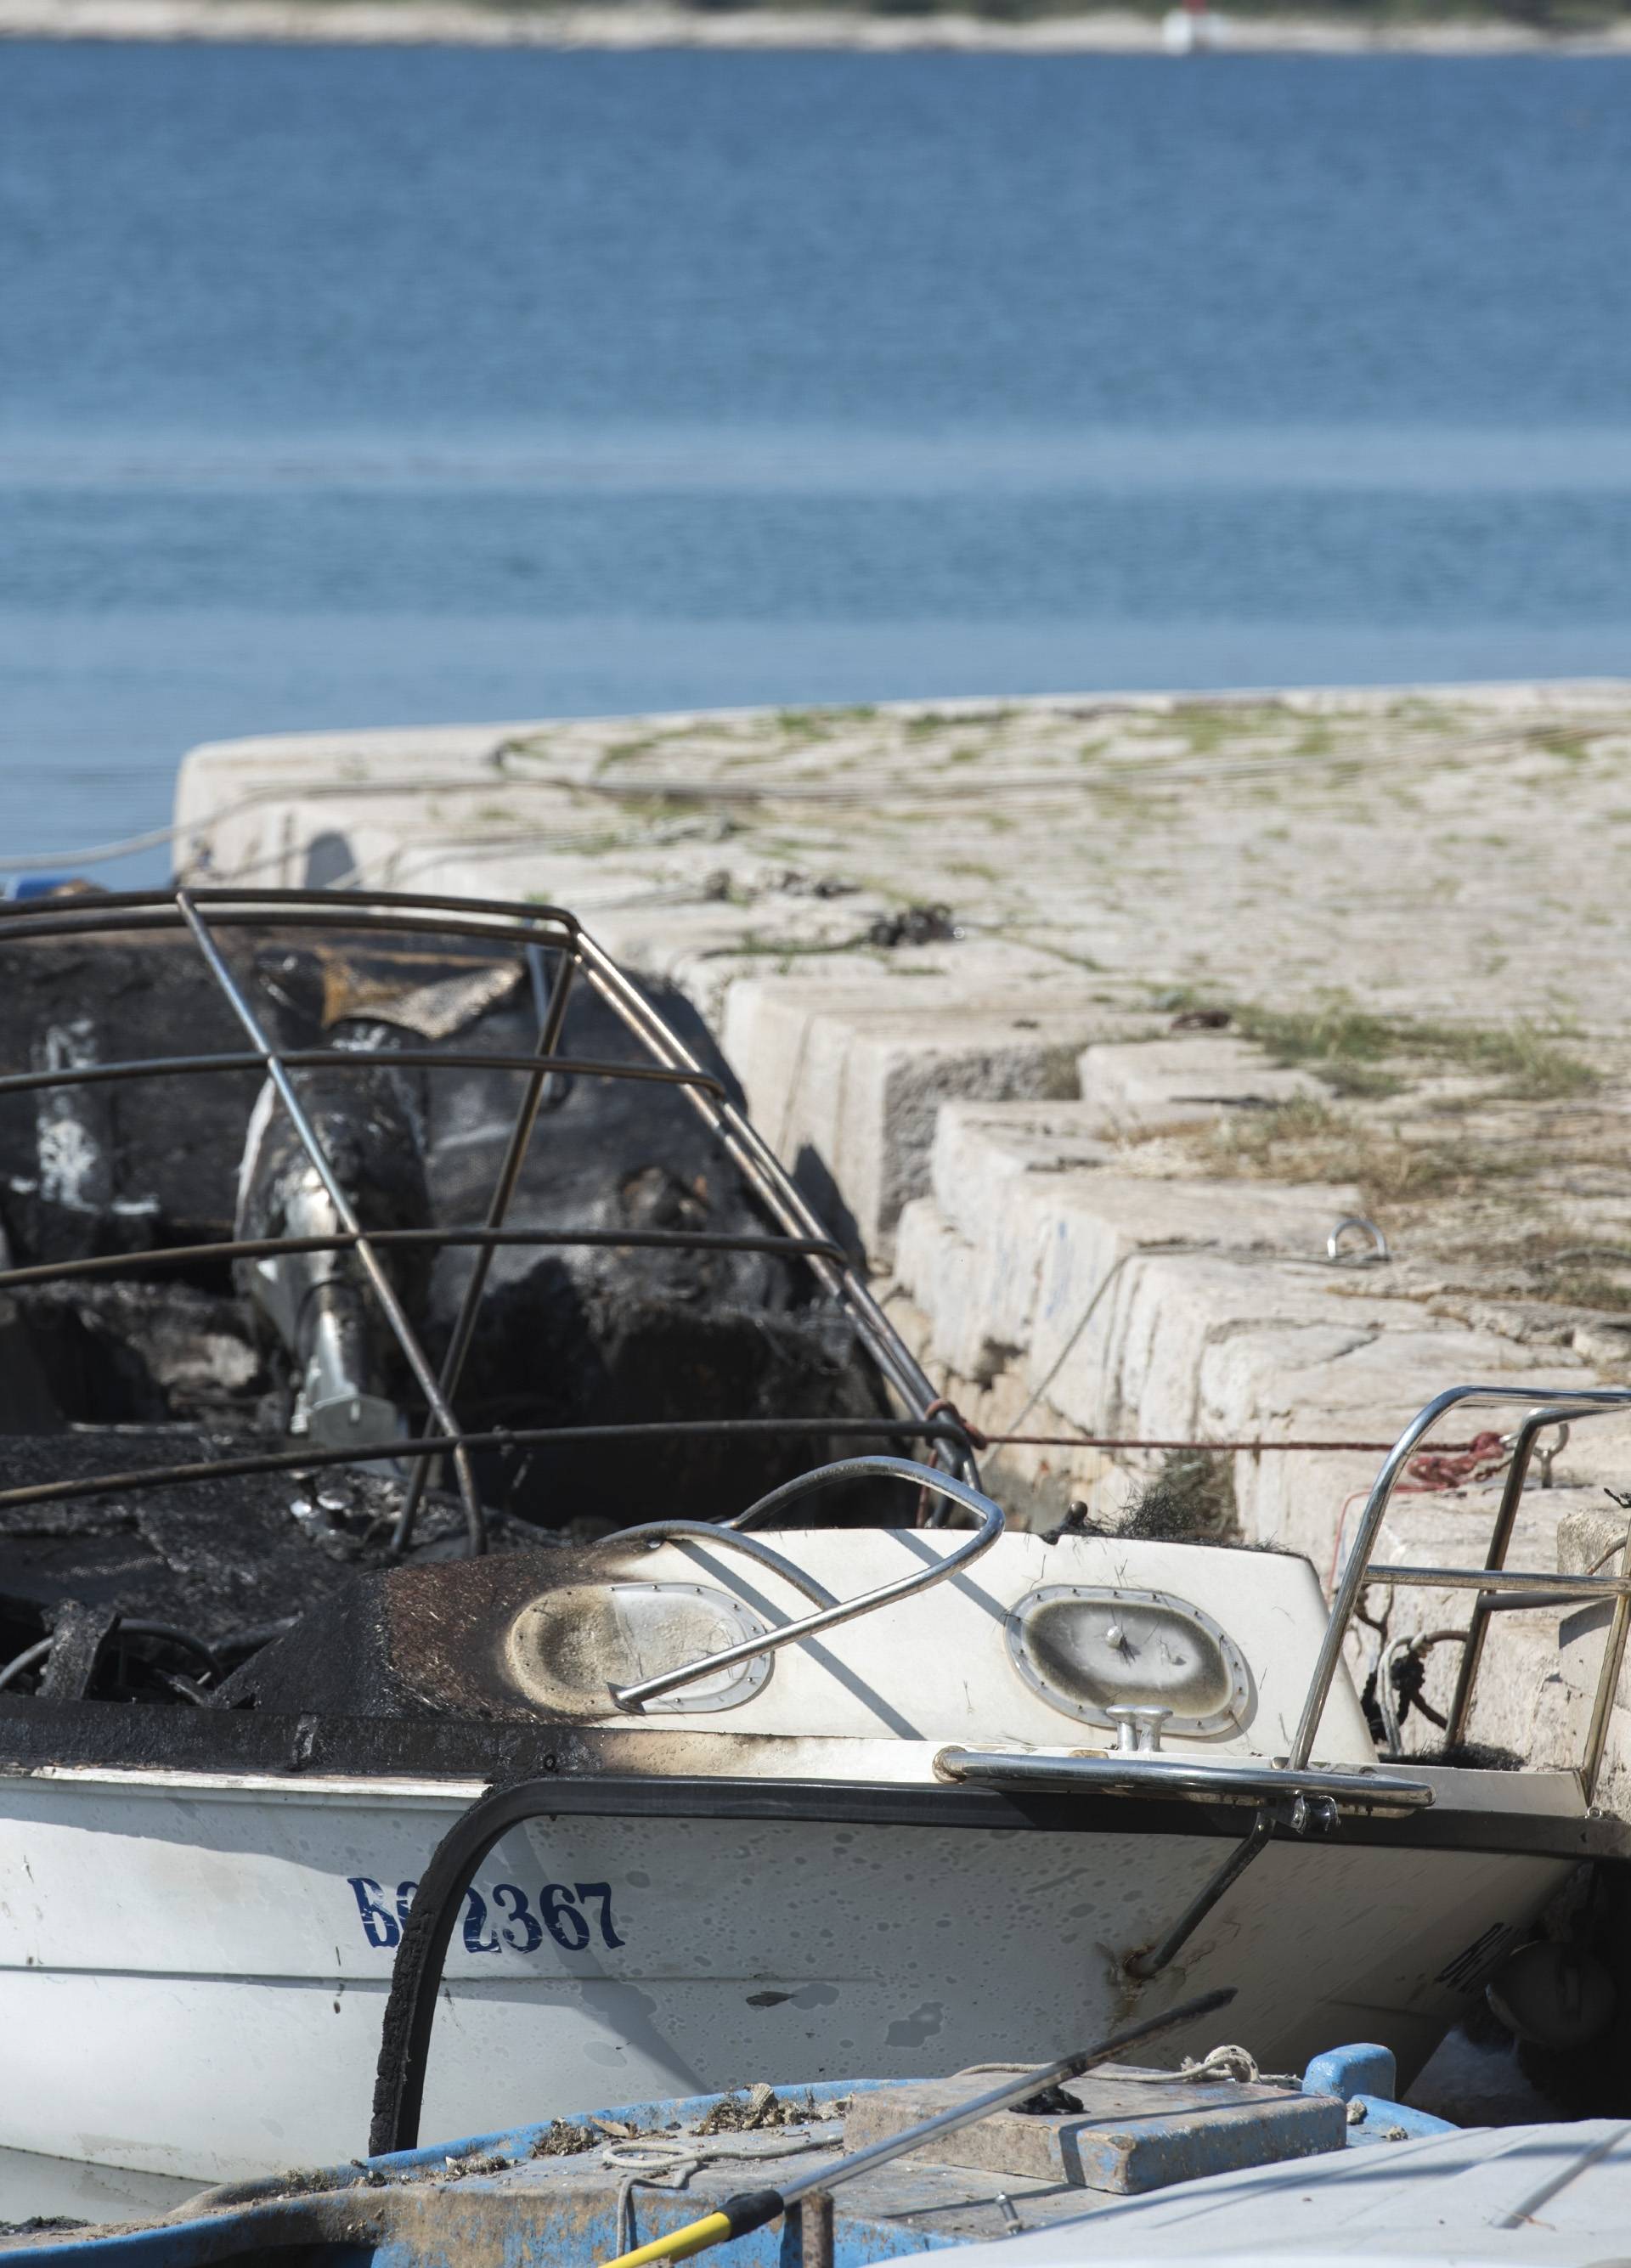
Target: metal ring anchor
[[1376, 1257]]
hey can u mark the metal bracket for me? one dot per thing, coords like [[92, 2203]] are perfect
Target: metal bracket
[[1300, 1815]]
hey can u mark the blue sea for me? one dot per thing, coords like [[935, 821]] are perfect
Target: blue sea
[[345, 387]]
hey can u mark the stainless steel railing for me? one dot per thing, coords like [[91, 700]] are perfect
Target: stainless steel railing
[[1489, 1582], [211, 916], [990, 1516]]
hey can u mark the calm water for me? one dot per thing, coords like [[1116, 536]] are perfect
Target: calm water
[[344, 388]]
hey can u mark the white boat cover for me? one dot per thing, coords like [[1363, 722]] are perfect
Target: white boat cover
[[1487, 2197]]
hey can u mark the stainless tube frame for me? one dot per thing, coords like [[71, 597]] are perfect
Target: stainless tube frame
[[1607, 1686], [1172, 1941], [391, 1307], [654, 1532], [1534, 1423], [1184, 1779], [1492, 1583], [1566, 1404], [504, 922], [631, 1698], [207, 913], [497, 1209], [748, 1149]]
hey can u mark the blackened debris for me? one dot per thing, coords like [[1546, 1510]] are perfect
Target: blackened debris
[[221, 1560], [930, 924], [161, 1363]]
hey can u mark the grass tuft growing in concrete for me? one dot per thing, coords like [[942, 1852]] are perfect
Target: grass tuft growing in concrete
[[1357, 1052], [1309, 1140]]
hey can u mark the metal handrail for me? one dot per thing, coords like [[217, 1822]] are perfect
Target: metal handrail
[[1533, 1425], [654, 1532], [266, 1248], [632, 1699], [384, 1290], [1565, 1406], [351, 1059], [351, 910], [759, 1161], [355, 915], [1185, 1780], [1487, 1580]]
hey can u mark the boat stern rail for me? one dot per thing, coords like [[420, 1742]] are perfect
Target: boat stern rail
[[1495, 1585]]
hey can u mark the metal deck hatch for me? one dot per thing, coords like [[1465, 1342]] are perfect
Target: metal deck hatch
[[1086, 1650]]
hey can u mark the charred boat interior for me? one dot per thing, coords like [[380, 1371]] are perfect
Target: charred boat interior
[[292, 1186]]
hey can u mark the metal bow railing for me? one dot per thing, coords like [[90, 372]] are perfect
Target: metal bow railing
[[214, 919]]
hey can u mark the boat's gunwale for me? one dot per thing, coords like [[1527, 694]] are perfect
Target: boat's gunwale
[[1456, 1824]]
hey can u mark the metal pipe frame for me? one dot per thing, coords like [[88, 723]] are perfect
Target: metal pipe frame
[[632, 1699], [370, 917], [498, 1208], [503, 1437], [263, 1248], [1160, 1956], [1607, 1686], [1540, 1589], [1500, 1543], [22, 1082], [655, 1532], [1171, 1778], [395, 1314], [339, 909], [1569, 1403]]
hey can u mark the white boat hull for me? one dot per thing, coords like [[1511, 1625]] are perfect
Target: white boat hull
[[193, 1970]]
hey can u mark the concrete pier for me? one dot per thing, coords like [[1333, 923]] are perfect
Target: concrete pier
[[1086, 1021]]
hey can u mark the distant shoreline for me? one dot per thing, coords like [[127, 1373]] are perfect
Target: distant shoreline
[[631, 24]]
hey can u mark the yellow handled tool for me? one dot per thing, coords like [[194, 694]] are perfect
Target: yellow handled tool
[[740, 2216], [696, 2236]]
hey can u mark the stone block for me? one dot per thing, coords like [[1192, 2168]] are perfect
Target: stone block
[[847, 1088], [946, 1276], [1109, 1233], [1136, 2130], [1185, 1081]]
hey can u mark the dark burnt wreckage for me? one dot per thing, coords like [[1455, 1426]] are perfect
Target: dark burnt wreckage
[[421, 1379]]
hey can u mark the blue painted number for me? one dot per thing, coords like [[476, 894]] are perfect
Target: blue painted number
[[521, 1917], [561, 1910]]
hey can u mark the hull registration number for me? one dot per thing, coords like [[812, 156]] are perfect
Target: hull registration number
[[574, 1914]]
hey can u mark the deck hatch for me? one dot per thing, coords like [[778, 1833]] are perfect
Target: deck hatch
[[1085, 1649], [569, 1646]]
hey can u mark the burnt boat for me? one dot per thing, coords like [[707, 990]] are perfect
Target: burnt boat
[[422, 1381]]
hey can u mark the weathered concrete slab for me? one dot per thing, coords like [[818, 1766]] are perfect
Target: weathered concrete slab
[[849, 1086], [1185, 1082], [1135, 2131]]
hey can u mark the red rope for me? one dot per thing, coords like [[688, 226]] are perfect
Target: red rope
[[944, 1408], [1446, 1465]]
